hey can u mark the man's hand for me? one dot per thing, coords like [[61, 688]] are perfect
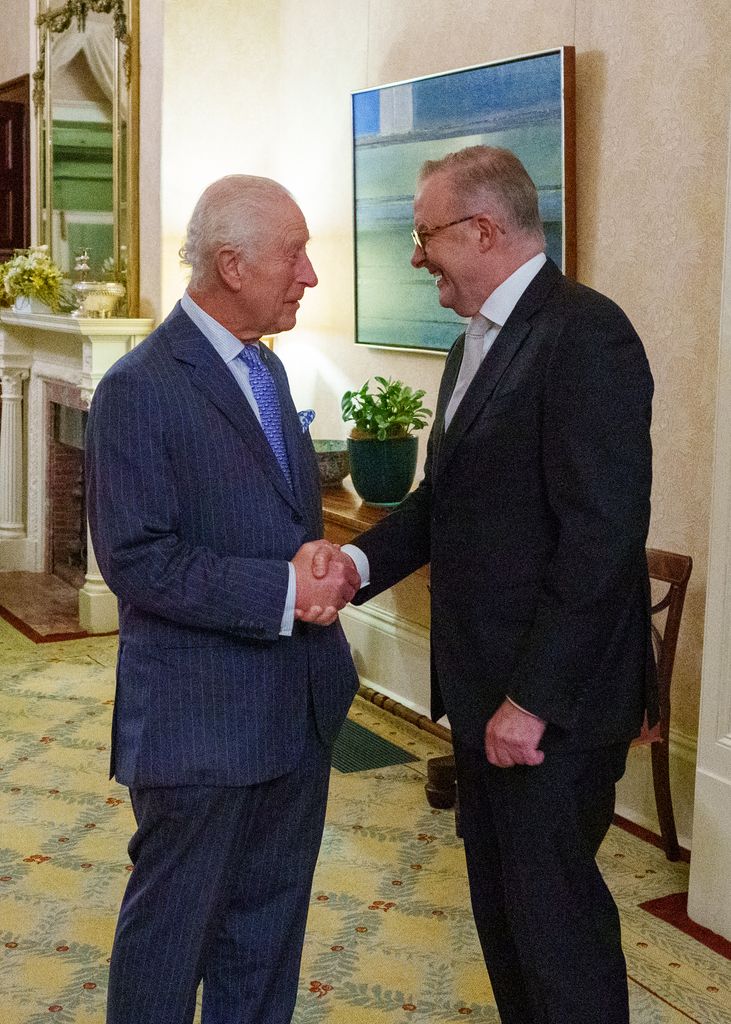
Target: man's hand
[[326, 581], [512, 737], [322, 558]]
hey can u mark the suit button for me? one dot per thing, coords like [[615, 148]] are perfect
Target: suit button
[[296, 517]]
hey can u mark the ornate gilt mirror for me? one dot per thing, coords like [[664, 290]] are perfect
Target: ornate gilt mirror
[[86, 96]]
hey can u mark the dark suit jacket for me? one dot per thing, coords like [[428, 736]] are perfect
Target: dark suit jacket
[[533, 512], [193, 523]]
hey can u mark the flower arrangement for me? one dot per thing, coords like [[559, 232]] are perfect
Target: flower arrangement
[[33, 273]]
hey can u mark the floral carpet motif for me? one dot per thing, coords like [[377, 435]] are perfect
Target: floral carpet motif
[[390, 935]]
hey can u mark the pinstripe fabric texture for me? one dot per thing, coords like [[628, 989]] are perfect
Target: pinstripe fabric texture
[[193, 523], [231, 913]]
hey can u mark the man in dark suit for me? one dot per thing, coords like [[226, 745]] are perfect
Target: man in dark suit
[[204, 503], [533, 512]]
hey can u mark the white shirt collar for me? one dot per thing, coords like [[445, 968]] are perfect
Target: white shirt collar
[[500, 304], [225, 343]]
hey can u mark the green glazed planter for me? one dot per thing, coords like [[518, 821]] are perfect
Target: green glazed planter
[[383, 471]]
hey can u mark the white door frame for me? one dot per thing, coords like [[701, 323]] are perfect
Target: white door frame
[[709, 899]]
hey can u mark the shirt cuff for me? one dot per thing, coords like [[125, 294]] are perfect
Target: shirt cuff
[[288, 616], [360, 558], [525, 712]]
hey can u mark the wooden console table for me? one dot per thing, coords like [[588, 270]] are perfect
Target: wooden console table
[[345, 516]]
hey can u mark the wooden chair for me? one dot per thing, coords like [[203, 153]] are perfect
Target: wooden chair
[[671, 572]]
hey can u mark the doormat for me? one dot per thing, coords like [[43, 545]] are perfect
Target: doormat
[[357, 749]]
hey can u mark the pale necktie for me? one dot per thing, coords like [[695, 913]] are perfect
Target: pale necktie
[[267, 399], [471, 359]]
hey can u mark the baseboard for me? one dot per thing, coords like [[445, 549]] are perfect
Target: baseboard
[[708, 902], [18, 554]]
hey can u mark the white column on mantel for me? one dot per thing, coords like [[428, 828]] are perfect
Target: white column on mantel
[[97, 604], [12, 524]]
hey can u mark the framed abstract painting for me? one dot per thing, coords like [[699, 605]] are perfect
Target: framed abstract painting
[[525, 104]]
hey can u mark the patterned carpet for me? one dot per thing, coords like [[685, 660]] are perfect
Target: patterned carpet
[[390, 936]]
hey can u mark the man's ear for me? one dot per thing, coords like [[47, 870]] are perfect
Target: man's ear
[[230, 268], [490, 231]]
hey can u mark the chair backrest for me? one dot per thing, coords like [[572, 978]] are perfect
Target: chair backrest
[[674, 570]]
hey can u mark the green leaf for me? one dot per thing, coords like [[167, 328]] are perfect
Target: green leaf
[[393, 410]]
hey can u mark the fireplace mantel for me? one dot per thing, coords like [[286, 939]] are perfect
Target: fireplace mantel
[[81, 349], [39, 353]]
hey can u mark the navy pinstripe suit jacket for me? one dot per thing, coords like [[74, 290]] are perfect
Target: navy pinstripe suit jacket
[[193, 523]]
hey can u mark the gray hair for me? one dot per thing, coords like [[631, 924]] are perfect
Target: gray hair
[[497, 177], [235, 211]]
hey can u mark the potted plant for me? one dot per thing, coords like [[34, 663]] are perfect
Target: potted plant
[[382, 445], [31, 281]]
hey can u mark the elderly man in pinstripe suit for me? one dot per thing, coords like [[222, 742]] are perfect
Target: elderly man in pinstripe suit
[[234, 675]]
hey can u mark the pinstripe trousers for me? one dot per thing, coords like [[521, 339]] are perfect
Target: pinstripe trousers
[[219, 893]]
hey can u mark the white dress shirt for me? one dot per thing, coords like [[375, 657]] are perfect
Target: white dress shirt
[[484, 327]]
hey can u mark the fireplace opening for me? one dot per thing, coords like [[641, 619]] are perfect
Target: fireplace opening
[[67, 506]]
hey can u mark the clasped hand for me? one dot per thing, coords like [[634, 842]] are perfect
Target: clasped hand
[[326, 581], [512, 736]]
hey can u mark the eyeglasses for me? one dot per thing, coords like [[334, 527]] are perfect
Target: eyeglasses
[[420, 238]]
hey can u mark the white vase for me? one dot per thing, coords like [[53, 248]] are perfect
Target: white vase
[[29, 304]]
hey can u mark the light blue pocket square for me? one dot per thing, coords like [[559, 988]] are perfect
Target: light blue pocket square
[[306, 417]]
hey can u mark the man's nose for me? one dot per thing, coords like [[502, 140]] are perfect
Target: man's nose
[[308, 277], [418, 257]]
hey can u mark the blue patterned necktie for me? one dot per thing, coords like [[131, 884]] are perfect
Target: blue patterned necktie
[[270, 414]]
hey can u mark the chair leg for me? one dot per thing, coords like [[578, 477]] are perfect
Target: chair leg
[[664, 800], [441, 784]]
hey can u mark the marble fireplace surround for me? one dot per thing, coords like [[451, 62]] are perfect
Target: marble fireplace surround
[[45, 359]]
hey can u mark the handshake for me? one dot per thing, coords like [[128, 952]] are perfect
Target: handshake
[[326, 581]]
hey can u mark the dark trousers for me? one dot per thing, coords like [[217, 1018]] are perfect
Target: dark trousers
[[219, 894], [548, 925]]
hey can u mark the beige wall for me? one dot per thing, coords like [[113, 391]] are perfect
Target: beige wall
[[272, 97], [16, 49]]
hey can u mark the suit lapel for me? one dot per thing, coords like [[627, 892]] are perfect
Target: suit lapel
[[483, 385], [508, 342], [449, 380], [212, 377]]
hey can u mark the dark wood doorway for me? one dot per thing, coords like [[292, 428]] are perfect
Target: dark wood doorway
[[14, 166]]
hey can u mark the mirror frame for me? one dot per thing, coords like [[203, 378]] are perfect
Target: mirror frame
[[55, 19]]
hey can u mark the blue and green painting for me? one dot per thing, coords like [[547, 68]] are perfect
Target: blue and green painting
[[516, 104]]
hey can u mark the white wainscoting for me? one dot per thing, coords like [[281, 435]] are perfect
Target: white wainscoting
[[390, 653], [636, 797]]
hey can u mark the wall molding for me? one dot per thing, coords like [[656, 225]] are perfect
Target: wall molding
[[390, 623], [391, 654]]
